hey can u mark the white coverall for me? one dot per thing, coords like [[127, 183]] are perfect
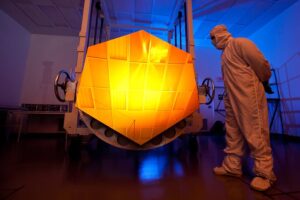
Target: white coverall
[[244, 69]]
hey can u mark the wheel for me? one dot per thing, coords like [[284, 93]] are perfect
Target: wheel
[[209, 85], [61, 85]]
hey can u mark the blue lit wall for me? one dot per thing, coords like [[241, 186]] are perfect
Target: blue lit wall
[[279, 40]]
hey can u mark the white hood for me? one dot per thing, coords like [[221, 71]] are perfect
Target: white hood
[[220, 36]]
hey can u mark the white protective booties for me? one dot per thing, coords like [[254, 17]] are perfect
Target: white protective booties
[[221, 171], [260, 184]]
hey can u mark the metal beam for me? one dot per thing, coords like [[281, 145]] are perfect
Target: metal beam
[[127, 26], [71, 118]]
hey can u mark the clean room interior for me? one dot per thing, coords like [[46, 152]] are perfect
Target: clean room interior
[[38, 159]]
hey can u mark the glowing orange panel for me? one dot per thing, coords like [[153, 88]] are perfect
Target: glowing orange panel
[[138, 85]]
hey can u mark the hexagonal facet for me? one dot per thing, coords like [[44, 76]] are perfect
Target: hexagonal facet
[[138, 84]]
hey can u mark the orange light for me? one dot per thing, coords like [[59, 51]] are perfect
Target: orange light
[[138, 85]]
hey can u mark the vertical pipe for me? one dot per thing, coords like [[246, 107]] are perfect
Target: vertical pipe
[[279, 104], [82, 46], [190, 34], [71, 119], [101, 23], [170, 36], [180, 35], [96, 23], [107, 32], [175, 28], [186, 27], [90, 22], [101, 29]]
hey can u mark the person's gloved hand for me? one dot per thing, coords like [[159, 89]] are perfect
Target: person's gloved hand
[[267, 87]]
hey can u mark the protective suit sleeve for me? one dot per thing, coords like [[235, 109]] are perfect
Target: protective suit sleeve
[[255, 59]]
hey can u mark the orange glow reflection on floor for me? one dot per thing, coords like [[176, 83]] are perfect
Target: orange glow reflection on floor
[[138, 84]]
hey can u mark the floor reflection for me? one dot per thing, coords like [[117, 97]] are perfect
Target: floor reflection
[[41, 169]]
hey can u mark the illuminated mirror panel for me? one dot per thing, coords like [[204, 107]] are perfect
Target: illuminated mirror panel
[[138, 84]]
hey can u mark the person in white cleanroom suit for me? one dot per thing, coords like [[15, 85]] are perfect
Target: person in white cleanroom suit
[[244, 70]]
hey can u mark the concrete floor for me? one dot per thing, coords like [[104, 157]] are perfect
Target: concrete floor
[[39, 168]]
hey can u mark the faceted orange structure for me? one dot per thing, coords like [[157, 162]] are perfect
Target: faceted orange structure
[[138, 84]]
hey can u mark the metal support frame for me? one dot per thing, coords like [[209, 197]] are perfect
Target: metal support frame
[[180, 34], [98, 8], [101, 29], [71, 118], [276, 103], [175, 28], [190, 32], [185, 27], [90, 22], [188, 17]]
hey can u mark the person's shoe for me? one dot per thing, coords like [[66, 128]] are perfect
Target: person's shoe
[[221, 171], [260, 184]]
